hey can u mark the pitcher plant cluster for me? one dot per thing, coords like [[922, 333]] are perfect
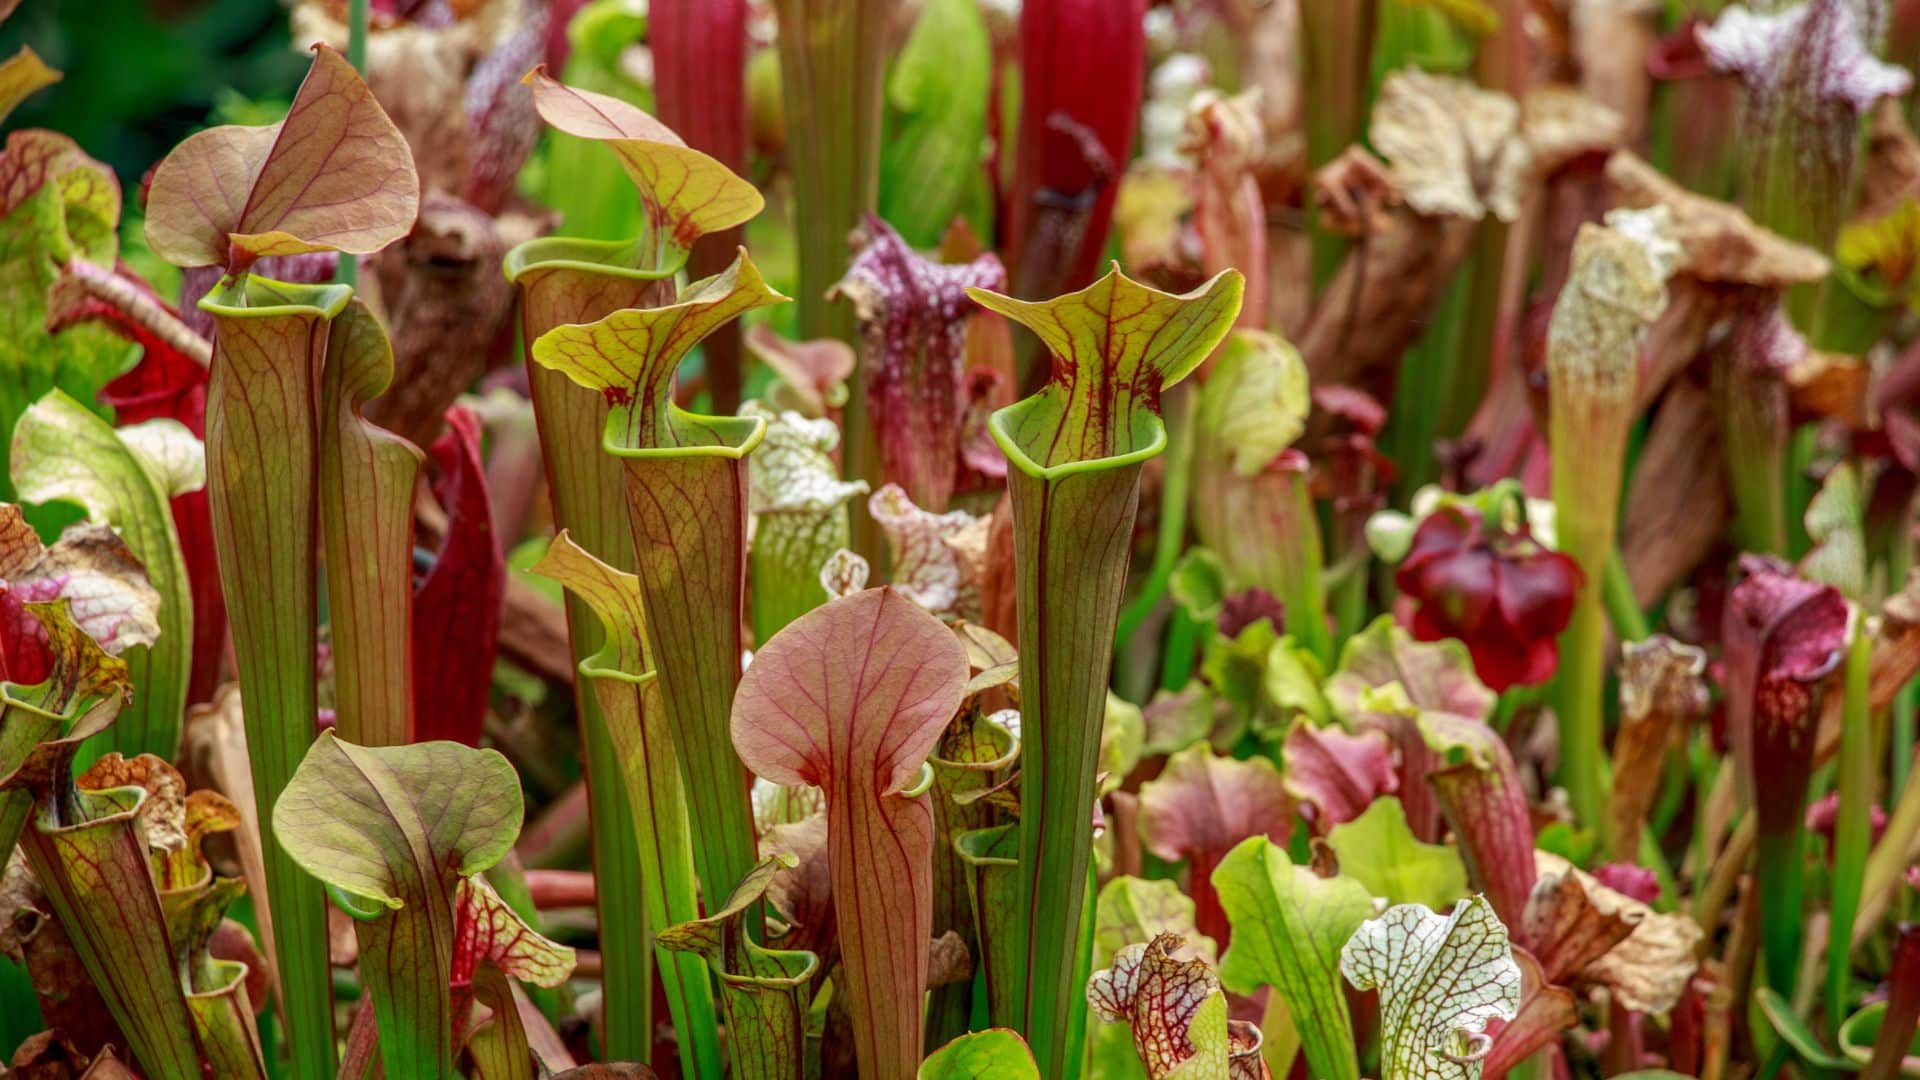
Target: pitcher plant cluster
[[1034, 539]]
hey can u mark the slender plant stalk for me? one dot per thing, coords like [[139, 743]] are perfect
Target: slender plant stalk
[[1170, 538], [270, 343], [1905, 703], [1888, 861], [1075, 450], [359, 12], [833, 72], [1593, 367], [588, 493], [628, 694], [1852, 832], [1623, 610], [1338, 40]]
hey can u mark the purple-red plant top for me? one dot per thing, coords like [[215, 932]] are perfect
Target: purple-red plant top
[[1783, 636], [913, 319], [1501, 592]]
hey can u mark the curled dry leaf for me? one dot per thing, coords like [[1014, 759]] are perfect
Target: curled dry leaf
[[1662, 688], [1718, 241], [1562, 125], [1455, 149], [1648, 957]]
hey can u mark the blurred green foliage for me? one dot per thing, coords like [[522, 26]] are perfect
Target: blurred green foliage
[[143, 74]]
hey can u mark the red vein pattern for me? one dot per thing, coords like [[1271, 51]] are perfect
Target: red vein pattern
[[852, 697], [367, 476], [263, 487]]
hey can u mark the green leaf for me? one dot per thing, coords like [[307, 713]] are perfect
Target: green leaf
[[1858, 1034], [61, 451], [852, 697], [1250, 494], [1441, 979], [993, 1054], [499, 1049], [1378, 850], [974, 754], [1835, 522], [60, 204], [1074, 452], [391, 831], [989, 858], [335, 175], [1289, 925], [1796, 1033], [1199, 584], [932, 165], [367, 477]]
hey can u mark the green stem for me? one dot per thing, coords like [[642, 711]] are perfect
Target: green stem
[[1171, 536], [358, 13], [1582, 735], [1779, 858], [1904, 704], [1852, 832], [1623, 610], [833, 71], [1888, 860]]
